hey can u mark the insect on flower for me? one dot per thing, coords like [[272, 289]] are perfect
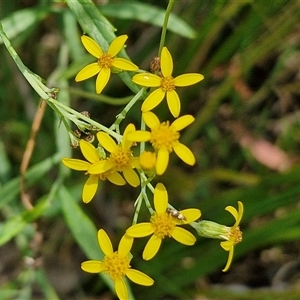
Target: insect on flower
[[176, 214]]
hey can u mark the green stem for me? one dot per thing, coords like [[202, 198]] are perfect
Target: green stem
[[165, 26], [99, 98], [34, 80], [126, 109], [84, 118], [137, 204]]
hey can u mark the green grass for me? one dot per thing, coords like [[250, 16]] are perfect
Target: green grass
[[248, 52]]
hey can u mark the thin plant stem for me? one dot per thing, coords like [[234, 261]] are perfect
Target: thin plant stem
[[126, 109], [165, 26], [34, 80], [137, 204], [84, 118]]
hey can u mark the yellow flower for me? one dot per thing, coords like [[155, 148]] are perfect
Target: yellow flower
[[148, 160], [165, 84], [164, 138], [120, 159], [162, 224], [105, 61], [116, 264], [234, 235], [92, 157]]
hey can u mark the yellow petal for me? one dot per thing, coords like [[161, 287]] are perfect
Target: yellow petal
[[106, 141], [102, 80], [233, 211], [116, 179], [185, 154], [92, 266], [100, 167], [124, 64], [229, 259], [150, 119], [139, 277], [125, 245], [76, 164], [162, 161], [87, 72], [166, 62], [183, 122], [140, 230], [121, 289], [152, 247], [153, 100], [89, 151], [91, 46], [131, 177], [240, 213], [188, 79], [183, 236], [173, 103], [160, 198], [116, 45], [227, 245], [147, 79], [104, 242], [139, 136], [126, 144], [90, 188], [191, 214]]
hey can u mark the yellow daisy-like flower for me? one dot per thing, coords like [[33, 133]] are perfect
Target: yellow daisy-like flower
[[165, 85], [120, 159], [105, 61], [234, 235], [164, 138], [117, 264], [92, 157], [163, 224]]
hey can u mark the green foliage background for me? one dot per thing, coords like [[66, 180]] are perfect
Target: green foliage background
[[248, 52]]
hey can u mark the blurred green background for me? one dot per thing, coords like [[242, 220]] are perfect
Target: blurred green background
[[245, 138]]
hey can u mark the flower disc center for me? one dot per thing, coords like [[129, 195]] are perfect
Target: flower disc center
[[167, 84], [105, 61]]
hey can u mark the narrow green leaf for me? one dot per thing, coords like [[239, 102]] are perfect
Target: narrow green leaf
[[11, 189], [83, 230], [4, 163], [22, 20], [15, 225], [131, 10]]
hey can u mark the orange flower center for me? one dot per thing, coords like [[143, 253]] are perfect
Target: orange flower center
[[116, 265], [167, 84], [163, 224], [105, 61], [121, 158], [164, 137], [236, 235]]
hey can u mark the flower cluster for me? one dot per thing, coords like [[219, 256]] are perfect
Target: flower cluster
[[113, 159]]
